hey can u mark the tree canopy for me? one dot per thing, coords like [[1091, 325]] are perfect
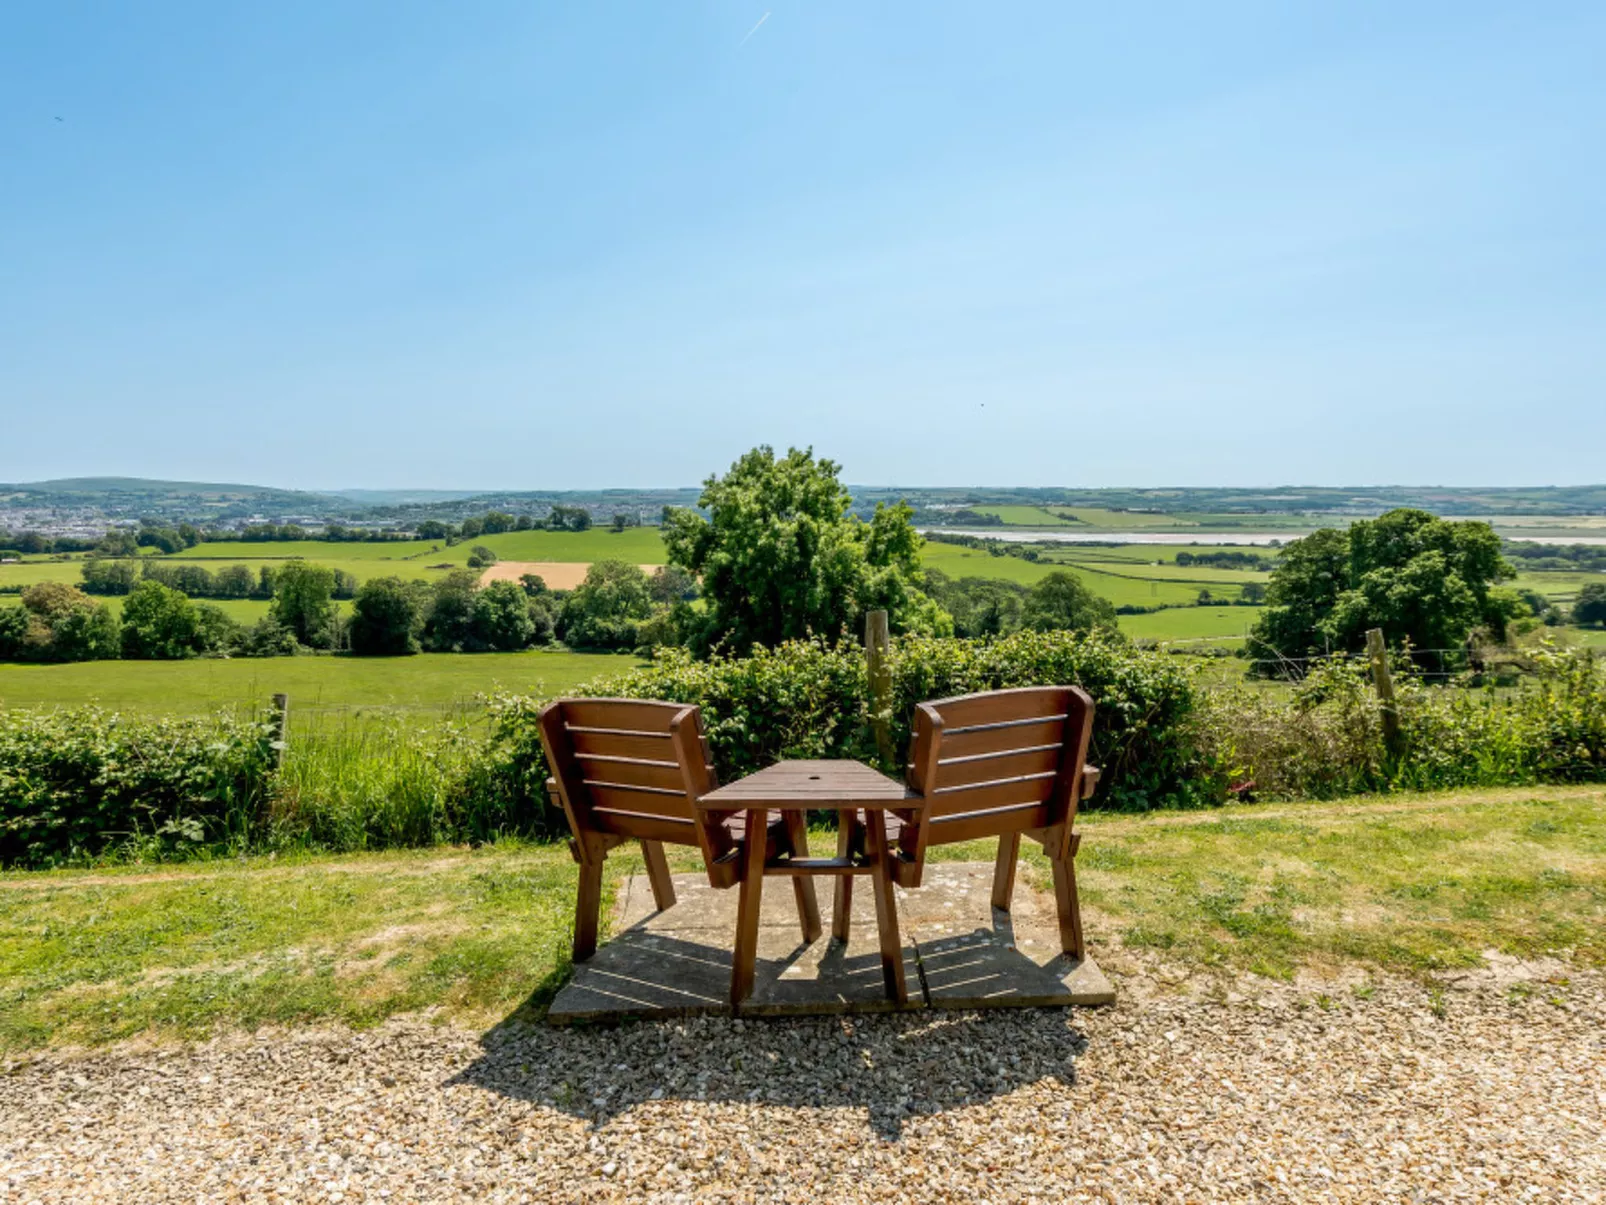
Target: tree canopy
[[782, 556], [1589, 608], [1423, 580]]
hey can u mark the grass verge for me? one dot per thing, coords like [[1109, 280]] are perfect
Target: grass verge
[[1409, 883]]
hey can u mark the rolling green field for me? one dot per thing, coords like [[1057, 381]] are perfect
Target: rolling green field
[[1143, 575], [1093, 519], [1558, 586], [429, 680], [1228, 625], [638, 545]]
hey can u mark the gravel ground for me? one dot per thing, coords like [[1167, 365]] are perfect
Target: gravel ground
[[1203, 1090]]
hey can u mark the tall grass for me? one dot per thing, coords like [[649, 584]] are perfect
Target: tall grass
[[372, 783]]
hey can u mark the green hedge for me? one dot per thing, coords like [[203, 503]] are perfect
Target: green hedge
[[807, 699], [1326, 738], [77, 782]]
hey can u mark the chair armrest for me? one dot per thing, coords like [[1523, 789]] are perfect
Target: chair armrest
[[1090, 780]]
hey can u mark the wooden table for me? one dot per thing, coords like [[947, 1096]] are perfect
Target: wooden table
[[838, 785]]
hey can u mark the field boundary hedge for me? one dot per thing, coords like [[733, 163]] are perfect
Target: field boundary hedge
[[82, 783]]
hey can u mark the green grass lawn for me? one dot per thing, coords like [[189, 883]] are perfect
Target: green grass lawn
[[1228, 624], [430, 680], [1407, 884]]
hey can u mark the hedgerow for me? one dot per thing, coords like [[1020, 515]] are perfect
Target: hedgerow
[[80, 781], [77, 784]]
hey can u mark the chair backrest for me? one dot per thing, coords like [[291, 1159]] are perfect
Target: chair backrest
[[1001, 762], [632, 768]]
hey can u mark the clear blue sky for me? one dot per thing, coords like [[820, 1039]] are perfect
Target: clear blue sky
[[522, 245]]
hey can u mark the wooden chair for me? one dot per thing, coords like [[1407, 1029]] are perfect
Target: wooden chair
[[632, 770], [1004, 763]]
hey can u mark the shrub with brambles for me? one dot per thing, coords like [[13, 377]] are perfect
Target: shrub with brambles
[[78, 782]]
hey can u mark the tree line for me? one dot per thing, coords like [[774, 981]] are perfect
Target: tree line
[[108, 576], [170, 538]]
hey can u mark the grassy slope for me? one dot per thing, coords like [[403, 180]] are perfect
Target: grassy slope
[[1407, 883], [1229, 624], [427, 680]]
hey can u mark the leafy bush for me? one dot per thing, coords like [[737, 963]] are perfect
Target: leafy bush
[[1327, 740], [77, 782], [808, 699]]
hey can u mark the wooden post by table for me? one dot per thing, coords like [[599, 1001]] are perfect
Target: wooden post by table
[[877, 642], [1378, 653], [281, 728]]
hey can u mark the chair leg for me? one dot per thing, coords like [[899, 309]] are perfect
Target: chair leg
[[587, 908], [1004, 870], [1068, 907], [663, 888], [808, 904], [842, 889]]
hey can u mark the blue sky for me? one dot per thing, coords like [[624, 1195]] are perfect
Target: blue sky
[[520, 245]]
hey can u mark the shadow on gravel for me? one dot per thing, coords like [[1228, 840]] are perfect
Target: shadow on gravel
[[895, 1066]]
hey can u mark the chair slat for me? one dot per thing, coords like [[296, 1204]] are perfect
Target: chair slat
[[1019, 764], [635, 772], [650, 746], [636, 715], [1017, 734], [994, 822], [985, 796], [1001, 706], [643, 827], [621, 797]]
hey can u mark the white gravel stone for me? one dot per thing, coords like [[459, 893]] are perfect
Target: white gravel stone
[[1255, 1093]]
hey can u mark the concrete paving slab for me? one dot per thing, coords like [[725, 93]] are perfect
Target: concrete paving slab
[[976, 956], [678, 962], [958, 953]]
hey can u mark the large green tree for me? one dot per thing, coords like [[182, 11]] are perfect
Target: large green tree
[[449, 622], [604, 611], [781, 555], [1423, 580], [1589, 608], [502, 618], [160, 623], [1061, 602], [302, 601], [62, 623], [386, 617]]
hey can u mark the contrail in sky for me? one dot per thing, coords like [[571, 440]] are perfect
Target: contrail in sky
[[754, 30]]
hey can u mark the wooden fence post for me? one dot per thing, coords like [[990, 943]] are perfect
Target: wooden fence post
[[877, 647], [281, 728], [1378, 652]]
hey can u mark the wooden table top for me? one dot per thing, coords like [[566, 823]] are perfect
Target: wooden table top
[[831, 784]]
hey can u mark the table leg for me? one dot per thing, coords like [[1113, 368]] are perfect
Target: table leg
[[749, 892], [842, 889], [886, 908], [808, 905]]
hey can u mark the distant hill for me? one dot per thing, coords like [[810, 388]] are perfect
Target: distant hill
[[82, 502], [139, 497], [134, 485]]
